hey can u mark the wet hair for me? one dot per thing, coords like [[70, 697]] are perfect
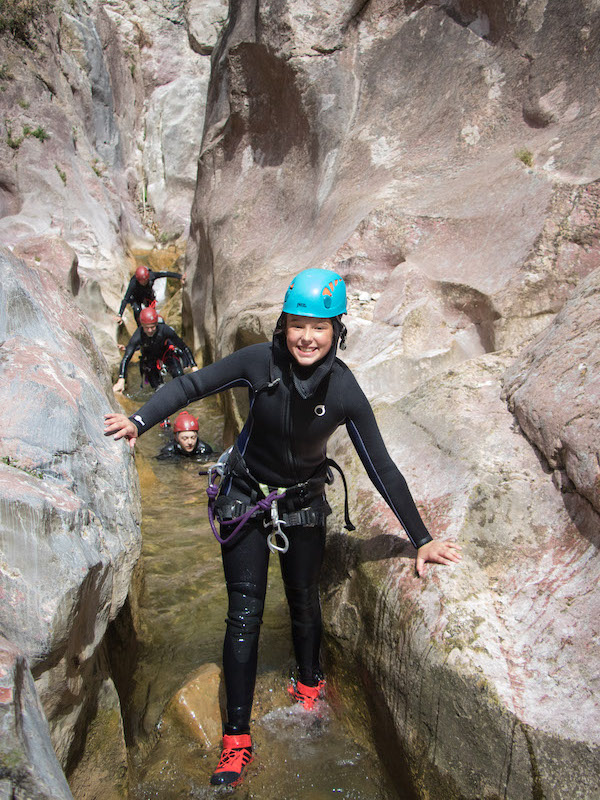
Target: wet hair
[[339, 329]]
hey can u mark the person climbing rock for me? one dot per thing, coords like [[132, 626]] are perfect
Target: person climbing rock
[[272, 491], [140, 293], [161, 349], [186, 444]]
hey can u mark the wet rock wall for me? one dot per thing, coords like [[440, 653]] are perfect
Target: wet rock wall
[[69, 527], [102, 107]]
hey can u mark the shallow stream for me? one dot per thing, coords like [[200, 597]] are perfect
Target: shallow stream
[[298, 754]]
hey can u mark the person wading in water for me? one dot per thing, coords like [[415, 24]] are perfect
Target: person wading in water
[[186, 443], [140, 291], [300, 393], [161, 350]]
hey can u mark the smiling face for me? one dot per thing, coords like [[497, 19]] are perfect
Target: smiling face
[[187, 440], [308, 339]]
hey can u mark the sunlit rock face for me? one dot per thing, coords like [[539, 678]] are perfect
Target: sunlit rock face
[[392, 143], [72, 180], [174, 41], [69, 508], [443, 157], [103, 123], [495, 655], [554, 390]]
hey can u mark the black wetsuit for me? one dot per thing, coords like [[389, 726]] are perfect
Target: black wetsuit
[[139, 295], [293, 412], [164, 348], [173, 451]]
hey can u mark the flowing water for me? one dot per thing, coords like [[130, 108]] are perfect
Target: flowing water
[[298, 754]]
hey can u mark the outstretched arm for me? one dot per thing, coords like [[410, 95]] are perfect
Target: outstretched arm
[[236, 369], [164, 274], [178, 342], [388, 480], [126, 298]]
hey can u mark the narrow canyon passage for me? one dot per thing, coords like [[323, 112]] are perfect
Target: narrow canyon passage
[[182, 612]]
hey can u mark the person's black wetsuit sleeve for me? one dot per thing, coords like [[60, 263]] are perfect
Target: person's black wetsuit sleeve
[[385, 475], [178, 342], [132, 346], [177, 275], [127, 297], [224, 374]]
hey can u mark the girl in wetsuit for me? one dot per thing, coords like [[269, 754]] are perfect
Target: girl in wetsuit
[[300, 393]]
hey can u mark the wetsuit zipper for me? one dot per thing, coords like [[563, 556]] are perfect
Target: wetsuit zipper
[[288, 427]]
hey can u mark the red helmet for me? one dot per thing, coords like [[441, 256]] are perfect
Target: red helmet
[[185, 422], [148, 316], [142, 273]]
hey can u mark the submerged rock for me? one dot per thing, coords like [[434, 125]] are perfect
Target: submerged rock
[[196, 706]]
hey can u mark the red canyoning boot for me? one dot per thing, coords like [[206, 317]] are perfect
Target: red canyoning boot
[[307, 695], [236, 755]]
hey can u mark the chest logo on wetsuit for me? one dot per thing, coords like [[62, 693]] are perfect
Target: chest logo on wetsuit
[[319, 410]]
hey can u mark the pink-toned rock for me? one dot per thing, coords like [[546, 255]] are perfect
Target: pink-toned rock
[[69, 507], [554, 390], [103, 120], [370, 161], [54, 255], [494, 655]]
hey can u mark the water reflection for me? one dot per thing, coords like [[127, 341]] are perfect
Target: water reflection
[[299, 754]]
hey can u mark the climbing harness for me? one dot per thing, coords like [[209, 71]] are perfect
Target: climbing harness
[[173, 352], [267, 503], [237, 512]]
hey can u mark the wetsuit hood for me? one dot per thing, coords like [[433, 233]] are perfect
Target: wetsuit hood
[[306, 379]]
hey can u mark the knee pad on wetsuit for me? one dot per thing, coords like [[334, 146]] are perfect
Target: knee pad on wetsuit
[[244, 618]]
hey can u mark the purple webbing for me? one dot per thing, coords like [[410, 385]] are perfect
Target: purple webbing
[[263, 505]]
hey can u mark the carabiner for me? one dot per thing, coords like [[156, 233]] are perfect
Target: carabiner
[[276, 524], [272, 542]]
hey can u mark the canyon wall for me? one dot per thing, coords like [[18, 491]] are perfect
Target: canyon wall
[[103, 115], [102, 108], [443, 157], [69, 530]]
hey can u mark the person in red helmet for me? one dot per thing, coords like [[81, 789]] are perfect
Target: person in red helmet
[[271, 498], [140, 293], [160, 347], [186, 443]]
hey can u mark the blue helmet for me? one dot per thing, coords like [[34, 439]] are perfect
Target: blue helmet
[[316, 293]]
